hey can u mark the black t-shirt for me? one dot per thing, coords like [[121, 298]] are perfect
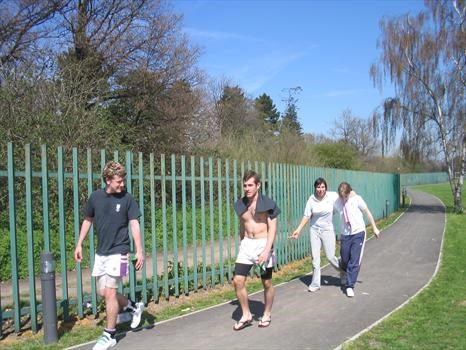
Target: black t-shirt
[[111, 214], [264, 205]]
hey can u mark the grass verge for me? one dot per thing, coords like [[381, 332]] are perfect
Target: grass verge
[[436, 319]]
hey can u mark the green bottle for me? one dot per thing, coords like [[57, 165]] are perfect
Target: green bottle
[[133, 258], [260, 269]]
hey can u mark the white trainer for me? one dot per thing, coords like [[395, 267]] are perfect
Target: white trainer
[[137, 313], [350, 292], [105, 342], [313, 289]]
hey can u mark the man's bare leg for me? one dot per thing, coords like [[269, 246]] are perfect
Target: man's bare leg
[[112, 307], [269, 293], [242, 295], [122, 301]]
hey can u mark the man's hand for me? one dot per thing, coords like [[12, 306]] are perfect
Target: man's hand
[[295, 234], [78, 254], [376, 232], [263, 257], [139, 260]]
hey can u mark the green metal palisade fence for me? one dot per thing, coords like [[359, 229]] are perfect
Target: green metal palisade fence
[[189, 228], [422, 178]]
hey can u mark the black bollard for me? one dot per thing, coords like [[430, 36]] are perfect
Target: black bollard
[[49, 297]]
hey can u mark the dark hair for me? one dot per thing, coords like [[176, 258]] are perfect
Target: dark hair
[[320, 181], [251, 173], [344, 188]]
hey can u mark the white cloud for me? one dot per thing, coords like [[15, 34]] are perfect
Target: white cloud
[[256, 72], [219, 35]]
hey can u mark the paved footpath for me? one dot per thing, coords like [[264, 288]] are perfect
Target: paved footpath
[[395, 267]]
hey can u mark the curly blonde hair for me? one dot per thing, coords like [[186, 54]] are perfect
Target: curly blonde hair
[[112, 169]]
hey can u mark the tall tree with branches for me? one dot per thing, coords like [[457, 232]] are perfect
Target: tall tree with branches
[[424, 56], [290, 121], [355, 131], [98, 63], [268, 111]]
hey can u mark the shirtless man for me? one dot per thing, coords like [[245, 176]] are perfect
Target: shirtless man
[[258, 227]]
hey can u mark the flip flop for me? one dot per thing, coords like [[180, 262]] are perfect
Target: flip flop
[[265, 323], [242, 324]]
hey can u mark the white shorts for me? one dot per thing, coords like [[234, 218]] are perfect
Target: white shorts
[[107, 281], [250, 249], [110, 270]]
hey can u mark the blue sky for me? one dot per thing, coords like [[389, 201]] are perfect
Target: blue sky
[[270, 46]]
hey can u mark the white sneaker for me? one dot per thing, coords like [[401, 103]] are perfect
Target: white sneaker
[[350, 292], [137, 313], [313, 289], [104, 342]]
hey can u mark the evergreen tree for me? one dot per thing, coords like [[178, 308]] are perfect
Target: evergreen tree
[[268, 111]]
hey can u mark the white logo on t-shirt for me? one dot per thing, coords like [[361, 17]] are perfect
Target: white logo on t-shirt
[[117, 209]]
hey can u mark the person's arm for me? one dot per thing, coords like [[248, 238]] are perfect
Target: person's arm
[[297, 232], [271, 233], [372, 221], [78, 251], [136, 232]]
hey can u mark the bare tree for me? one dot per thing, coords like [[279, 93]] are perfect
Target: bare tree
[[424, 66], [112, 61], [355, 131], [23, 24], [119, 37], [290, 121]]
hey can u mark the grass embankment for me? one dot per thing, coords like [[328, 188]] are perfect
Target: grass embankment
[[436, 318]]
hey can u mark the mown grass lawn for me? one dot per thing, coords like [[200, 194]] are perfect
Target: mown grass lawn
[[436, 319]]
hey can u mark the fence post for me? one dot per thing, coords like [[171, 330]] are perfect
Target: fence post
[[404, 192]]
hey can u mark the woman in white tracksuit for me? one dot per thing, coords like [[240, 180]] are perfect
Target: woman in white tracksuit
[[319, 210]]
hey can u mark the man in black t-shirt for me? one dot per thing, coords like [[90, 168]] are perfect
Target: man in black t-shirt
[[111, 210]]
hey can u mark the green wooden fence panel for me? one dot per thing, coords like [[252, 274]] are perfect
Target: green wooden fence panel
[[145, 297], [76, 226], [30, 237], [45, 198], [203, 224], [164, 226], [236, 196], [228, 219], [206, 187], [193, 222], [62, 234], [174, 223], [184, 229], [13, 242], [220, 221], [91, 234], [211, 222]]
